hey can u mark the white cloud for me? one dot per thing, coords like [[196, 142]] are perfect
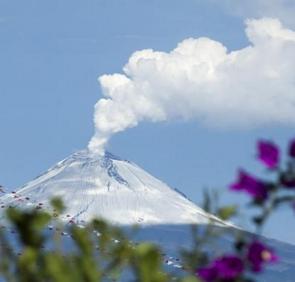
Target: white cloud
[[202, 81]]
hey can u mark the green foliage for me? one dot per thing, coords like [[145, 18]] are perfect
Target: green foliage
[[29, 225], [100, 252], [190, 279], [57, 205], [227, 212], [147, 263]]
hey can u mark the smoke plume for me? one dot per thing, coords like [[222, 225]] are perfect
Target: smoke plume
[[201, 80]]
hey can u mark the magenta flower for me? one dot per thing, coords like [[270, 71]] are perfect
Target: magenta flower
[[254, 187], [268, 153], [207, 274], [229, 267], [292, 149], [259, 254], [226, 268]]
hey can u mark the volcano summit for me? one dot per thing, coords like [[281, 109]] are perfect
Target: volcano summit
[[106, 186]]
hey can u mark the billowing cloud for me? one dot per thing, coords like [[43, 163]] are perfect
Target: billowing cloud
[[201, 80]]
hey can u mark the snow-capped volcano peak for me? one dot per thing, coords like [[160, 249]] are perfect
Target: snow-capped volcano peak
[[117, 190]]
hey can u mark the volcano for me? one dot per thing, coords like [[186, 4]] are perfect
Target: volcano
[[107, 187]]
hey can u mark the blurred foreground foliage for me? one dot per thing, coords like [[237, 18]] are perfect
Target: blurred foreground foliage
[[97, 252]]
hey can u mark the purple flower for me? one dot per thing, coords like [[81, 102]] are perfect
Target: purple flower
[[251, 185], [259, 254], [226, 268], [207, 274], [229, 267], [292, 149], [268, 153]]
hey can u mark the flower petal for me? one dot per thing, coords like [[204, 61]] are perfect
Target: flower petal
[[268, 153]]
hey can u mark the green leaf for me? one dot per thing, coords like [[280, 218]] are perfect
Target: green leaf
[[190, 279], [58, 205], [82, 239], [147, 262], [227, 212]]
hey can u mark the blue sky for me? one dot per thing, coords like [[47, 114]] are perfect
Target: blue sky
[[52, 53]]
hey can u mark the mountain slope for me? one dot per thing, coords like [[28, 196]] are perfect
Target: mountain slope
[[108, 187]]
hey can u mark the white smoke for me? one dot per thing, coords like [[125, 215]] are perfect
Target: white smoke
[[201, 80]]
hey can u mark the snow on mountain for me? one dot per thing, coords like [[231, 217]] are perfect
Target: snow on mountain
[[108, 187]]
